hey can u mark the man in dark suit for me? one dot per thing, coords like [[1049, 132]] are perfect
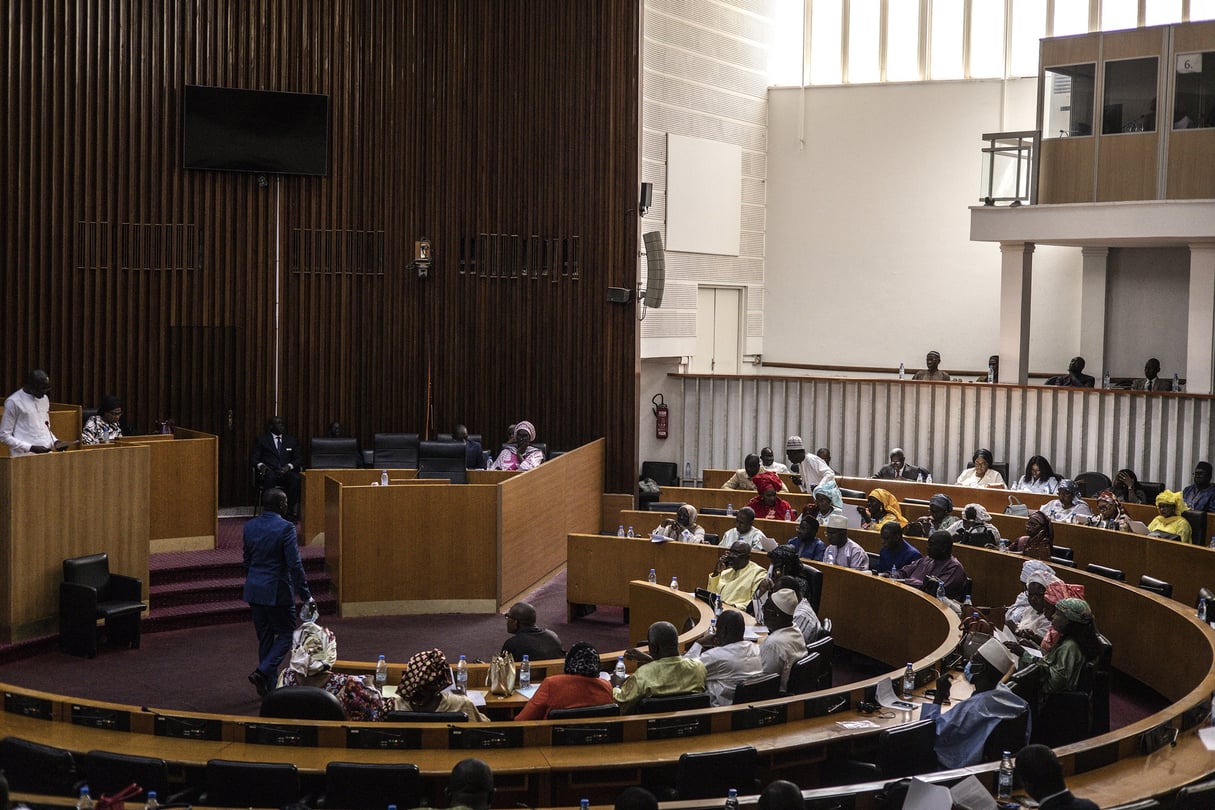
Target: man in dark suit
[[474, 454], [899, 468], [1039, 772], [274, 575], [278, 462]]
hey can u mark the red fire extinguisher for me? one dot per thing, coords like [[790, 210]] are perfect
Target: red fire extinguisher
[[662, 415]]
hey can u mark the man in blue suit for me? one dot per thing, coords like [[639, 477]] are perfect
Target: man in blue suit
[[474, 456], [274, 574]]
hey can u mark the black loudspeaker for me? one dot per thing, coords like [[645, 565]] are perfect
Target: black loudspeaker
[[647, 198], [656, 266]]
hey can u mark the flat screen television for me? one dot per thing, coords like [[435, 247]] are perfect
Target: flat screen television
[[260, 131]]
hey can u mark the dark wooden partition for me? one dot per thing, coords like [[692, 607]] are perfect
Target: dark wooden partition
[[504, 132]]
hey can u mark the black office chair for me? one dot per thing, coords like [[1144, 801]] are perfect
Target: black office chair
[[853, 493], [807, 674], [1196, 797], [874, 559], [230, 783], [814, 578], [713, 510], [765, 687], [302, 703], [673, 703], [1151, 489], [1157, 586], [1064, 552], [108, 773], [712, 539], [1010, 734], [663, 473], [426, 717], [1198, 526], [582, 712], [1105, 571], [443, 460], [367, 786], [1091, 483], [712, 773], [327, 453], [395, 451], [90, 592], [32, 767], [908, 750], [1063, 561], [664, 506]]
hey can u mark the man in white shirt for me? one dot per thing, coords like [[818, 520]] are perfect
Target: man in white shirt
[[729, 660], [841, 549], [26, 425], [744, 530], [784, 645], [808, 471]]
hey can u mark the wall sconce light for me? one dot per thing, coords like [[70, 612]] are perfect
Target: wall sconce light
[[421, 256]]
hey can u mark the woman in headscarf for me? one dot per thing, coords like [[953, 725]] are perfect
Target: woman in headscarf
[[1110, 514], [828, 501], [423, 681], [1014, 612], [976, 528], [1077, 645], [1034, 623], [881, 508], [105, 426], [1170, 524], [522, 455], [940, 517], [1039, 477], [1038, 540], [683, 527], [767, 504], [1056, 591], [579, 685], [312, 658], [1068, 507], [981, 474]]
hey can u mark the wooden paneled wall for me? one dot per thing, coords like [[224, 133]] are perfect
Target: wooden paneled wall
[[211, 299]]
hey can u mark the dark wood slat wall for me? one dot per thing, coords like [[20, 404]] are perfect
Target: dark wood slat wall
[[453, 120]]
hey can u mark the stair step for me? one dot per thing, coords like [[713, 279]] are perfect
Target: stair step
[[232, 611], [194, 592]]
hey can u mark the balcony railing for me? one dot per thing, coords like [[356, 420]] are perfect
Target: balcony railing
[[1008, 168]]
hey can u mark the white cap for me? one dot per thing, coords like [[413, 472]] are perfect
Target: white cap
[[786, 600], [837, 522]]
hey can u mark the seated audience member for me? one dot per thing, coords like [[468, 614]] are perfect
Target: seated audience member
[[899, 468], [735, 578], [742, 478], [1039, 772], [781, 795], [939, 564], [104, 426], [1077, 645], [636, 798], [1038, 540], [993, 369], [962, 732], [278, 462], [825, 454], [474, 454], [522, 455], [1126, 487], [1033, 622], [1056, 591], [1170, 524], [881, 508], [827, 501], [744, 530], [662, 672], [808, 471], [1014, 612], [981, 474], [976, 528], [1200, 495], [785, 645], [683, 527], [1110, 514], [841, 549], [728, 658], [471, 786], [1075, 376], [766, 504], [312, 658], [896, 552], [1151, 381], [1039, 477], [933, 373], [940, 517], [768, 462], [786, 572], [1068, 507], [578, 685], [423, 683], [806, 543], [528, 639]]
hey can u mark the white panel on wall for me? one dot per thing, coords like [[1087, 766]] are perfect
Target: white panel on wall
[[704, 192]]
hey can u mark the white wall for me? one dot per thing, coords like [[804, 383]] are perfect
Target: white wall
[[1146, 301]]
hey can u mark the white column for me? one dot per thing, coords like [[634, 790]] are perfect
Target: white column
[[1200, 330], [1092, 310], [1016, 272]]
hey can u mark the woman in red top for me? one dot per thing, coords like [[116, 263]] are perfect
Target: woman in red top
[[579, 686], [766, 504]]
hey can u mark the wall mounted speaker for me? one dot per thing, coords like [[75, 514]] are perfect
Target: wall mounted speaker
[[647, 198], [656, 266]]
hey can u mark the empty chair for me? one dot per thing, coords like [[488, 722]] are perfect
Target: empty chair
[[712, 510], [90, 592], [1106, 571], [302, 703], [1008, 735], [578, 712], [673, 703], [326, 453], [250, 784], [874, 559], [1091, 483], [1198, 526], [1064, 552], [664, 506], [31, 767], [1151, 489], [426, 717], [1158, 586], [765, 687], [712, 539], [663, 473], [443, 460], [814, 579], [908, 750], [1196, 797], [395, 450], [367, 786], [712, 773], [106, 772], [807, 674], [1063, 561]]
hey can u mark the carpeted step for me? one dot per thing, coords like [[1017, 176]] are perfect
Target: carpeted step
[[180, 617], [184, 566], [201, 591]]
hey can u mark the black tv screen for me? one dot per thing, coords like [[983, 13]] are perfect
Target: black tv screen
[[260, 131]]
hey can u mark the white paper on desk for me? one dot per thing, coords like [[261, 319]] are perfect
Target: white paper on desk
[[527, 691], [853, 724], [1138, 527], [969, 794], [476, 696], [887, 698], [923, 796], [1207, 735]]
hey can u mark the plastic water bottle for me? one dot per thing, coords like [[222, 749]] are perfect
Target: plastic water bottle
[[1005, 780], [1003, 544], [687, 465], [621, 672], [151, 803], [653, 578], [1202, 610], [674, 583], [462, 676], [381, 674], [525, 672], [713, 626], [1105, 379], [900, 371], [941, 592], [908, 680], [584, 804], [732, 799], [85, 802], [383, 478], [1176, 382], [685, 536], [729, 510], [620, 531], [991, 373], [919, 477], [308, 612], [928, 478], [630, 532]]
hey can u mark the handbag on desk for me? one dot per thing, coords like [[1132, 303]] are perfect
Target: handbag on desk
[[1015, 507], [502, 674]]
